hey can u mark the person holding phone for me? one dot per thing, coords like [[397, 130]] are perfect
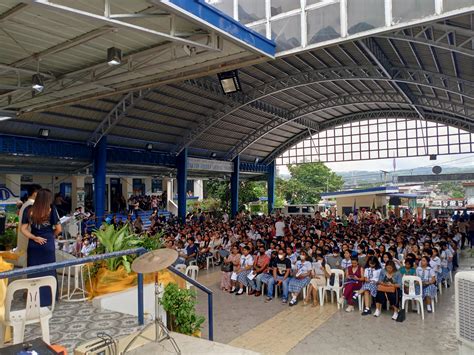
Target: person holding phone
[[354, 278]]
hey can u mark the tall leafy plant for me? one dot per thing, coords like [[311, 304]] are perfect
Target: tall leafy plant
[[116, 240]]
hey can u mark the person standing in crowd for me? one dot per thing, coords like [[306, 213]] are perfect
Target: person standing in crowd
[[40, 224], [280, 228], [22, 240]]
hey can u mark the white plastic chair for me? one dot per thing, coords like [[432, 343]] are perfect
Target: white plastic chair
[[181, 268], [32, 313], [336, 288], [209, 260], [192, 272], [412, 295]]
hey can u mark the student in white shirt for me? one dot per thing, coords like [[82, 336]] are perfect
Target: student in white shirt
[[371, 277], [280, 227], [428, 279], [301, 277], [246, 266]]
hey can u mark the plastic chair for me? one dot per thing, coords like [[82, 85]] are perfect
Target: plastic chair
[[209, 260], [414, 283], [336, 288], [192, 271], [32, 313], [181, 268]]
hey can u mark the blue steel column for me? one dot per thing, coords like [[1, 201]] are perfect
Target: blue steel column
[[100, 167], [271, 186], [182, 177], [234, 188]]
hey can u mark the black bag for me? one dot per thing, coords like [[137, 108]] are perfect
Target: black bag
[[401, 315], [227, 267]]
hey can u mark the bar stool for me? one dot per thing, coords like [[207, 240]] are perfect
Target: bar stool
[[77, 272]]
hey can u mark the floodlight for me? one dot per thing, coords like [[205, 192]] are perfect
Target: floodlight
[[213, 154], [229, 81], [149, 147], [37, 82], [114, 56], [257, 160], [43, 132]]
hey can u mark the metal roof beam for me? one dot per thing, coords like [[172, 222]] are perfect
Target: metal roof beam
[[362, 116], [383, 62], [89, 15], [341, 101], [15, 10], [116, 114]]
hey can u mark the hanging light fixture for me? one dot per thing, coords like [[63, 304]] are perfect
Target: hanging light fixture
[[37, 83], [114, 56], [229, 81]]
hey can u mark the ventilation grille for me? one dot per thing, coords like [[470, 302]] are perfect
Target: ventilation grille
[[465, 312]]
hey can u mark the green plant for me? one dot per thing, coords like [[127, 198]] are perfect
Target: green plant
[[8, 239], [181, 307], [116, 240], [149, 242]]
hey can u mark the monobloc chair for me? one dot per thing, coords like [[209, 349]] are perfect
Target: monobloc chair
[[192, 271], [335, 288], [33, 313], [415, 292], [181, 268]]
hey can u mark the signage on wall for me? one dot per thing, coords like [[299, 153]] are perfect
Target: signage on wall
[[6, 194]]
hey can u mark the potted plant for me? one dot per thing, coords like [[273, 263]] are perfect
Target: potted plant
[[8, 240], [180, 305]]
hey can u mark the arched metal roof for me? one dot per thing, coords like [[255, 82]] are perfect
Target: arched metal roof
[[425, 71]]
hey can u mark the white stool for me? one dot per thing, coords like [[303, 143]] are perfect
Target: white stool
[[76, 271]]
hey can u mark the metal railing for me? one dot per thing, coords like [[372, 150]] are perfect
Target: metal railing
[[31, 270]]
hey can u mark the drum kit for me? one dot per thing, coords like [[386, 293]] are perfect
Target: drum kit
[[153, 262]]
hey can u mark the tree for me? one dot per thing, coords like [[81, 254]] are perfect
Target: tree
[[452, 189], [307, 182]]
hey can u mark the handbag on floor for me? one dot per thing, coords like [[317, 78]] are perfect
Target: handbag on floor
[[227, 267], [401, 315]]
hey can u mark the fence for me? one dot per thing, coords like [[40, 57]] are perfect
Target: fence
[[93, 258]]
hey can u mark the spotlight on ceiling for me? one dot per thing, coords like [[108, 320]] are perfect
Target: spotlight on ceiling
[[213, 154], [37, 83], [433, 157], [114, 56], [229, 81], [257, 160], [149, 147], [43, 132]]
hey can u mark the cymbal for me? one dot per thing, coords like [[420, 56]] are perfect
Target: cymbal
[[154, 261]]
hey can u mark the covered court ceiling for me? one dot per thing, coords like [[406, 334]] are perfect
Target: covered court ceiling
[[421, 72]]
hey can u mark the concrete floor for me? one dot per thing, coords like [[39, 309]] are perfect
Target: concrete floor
[[246, 321]]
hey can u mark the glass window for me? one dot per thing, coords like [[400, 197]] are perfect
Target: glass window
[[251, 10], [262, 29], [324, 24], [450, 5], [226, 6], [280, 6], [364, 15], [287, 32], [406, 10]]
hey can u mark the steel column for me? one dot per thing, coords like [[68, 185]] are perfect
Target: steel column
[[234, 188], [182, 177], [100, 168], [271, 186]]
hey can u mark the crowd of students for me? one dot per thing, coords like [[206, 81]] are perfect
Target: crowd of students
[[289, 254]]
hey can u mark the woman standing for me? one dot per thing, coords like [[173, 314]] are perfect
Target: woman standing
[[227, 281], [43, 220]]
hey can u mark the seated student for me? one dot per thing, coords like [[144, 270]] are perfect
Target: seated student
[[334, 260], [428, 279], [354, 278], [386, 256], [260, 266], [321, 271], [191, 251], [246, 266], [388, 289], [371, 277], [301, 277], [281, 276], [266, 275], [346, 262], [446, 261]]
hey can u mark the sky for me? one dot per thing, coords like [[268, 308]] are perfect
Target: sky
[[455, 160]]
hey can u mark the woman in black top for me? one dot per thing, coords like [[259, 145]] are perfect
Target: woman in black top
[[40, 224]]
